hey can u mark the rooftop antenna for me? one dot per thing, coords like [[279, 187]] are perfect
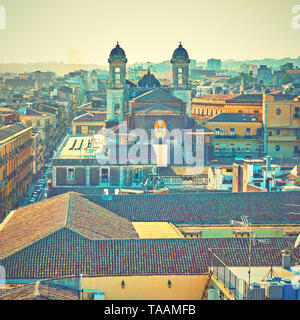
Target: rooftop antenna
[[246, 224], [271, 274]]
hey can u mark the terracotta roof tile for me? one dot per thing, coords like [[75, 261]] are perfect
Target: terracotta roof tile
[[34, 222], [67, 253], [206, 208], [39, 291], [157, 95]]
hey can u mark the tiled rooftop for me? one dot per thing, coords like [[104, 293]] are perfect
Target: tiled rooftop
[[67, 253], [91, 117], [234, 117], [31, 223], [225, 97], [157, 95], [39, 291], [206, 208], [10, 130]]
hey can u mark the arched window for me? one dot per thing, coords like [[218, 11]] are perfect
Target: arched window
[[180, 76], [117, 108], [117, 77]]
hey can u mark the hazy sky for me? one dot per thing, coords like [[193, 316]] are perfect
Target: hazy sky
[[148, 30]]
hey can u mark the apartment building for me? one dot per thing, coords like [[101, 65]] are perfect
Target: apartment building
[[281, 120], [16, 164]]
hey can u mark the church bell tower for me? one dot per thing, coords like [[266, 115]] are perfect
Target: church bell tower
[[180, 77], [116, 84]]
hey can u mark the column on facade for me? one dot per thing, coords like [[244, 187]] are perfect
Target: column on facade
[[54, 177], [88, 181], [121, 176]]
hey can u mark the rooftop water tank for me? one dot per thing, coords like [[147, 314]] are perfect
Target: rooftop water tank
[[275, 291], [99, 296], [257, 292], [286, 259], [289, 293], [212, 294]]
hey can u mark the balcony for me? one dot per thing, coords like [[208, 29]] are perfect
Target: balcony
[[238, 137], [243, 153], [286, 138], [297, 115]]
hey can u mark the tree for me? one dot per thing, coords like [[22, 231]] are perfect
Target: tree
[[287, 66], [287, 79]]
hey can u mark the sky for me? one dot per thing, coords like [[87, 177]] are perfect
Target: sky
[[85, 31]]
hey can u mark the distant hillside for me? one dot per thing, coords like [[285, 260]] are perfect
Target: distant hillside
[[273, 63], [59, 68]]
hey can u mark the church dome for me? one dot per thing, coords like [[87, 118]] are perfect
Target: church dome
[[180, 53], [149, 81], [117, 53]]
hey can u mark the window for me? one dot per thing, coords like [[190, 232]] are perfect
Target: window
[[217, 131], [277, 148], [217, 147], [248, 131], [104, 175], [180, 76], [85, 130], [117, 77], [117, 108], [232, 131], [232, 147], [278, 111], [137, 176], [270, 133], [70, 174], [278, 132], [248, 147]]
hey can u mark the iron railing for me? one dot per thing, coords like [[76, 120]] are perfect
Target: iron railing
[[238, 288]]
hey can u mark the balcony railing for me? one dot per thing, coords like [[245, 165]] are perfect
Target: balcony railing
[[235, 152], [297, 115], [223, 136]]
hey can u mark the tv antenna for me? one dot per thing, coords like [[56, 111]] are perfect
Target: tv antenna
[[245, 223]]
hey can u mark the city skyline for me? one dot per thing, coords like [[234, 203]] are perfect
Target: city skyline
[[74, 32]]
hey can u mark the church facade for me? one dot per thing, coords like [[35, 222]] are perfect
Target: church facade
[[150, 102]]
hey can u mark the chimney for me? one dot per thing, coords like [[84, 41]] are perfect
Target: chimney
[[268, 163]]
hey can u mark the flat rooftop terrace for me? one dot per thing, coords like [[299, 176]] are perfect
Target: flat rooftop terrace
[[80, 147]]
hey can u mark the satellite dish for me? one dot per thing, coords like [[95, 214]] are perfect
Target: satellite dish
[[297, 242]]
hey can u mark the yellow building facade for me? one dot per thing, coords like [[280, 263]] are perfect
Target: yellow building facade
[[282, 127], [174, 287], [236, 138], [211, 106]]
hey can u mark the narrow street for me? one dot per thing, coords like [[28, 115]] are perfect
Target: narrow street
[[38, 190]]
